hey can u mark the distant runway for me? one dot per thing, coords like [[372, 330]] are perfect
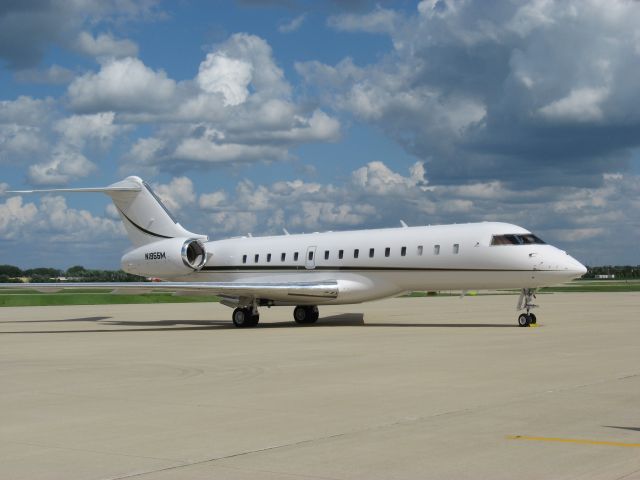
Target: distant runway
[[407, 388]]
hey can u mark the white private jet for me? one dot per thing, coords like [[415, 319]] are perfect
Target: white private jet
[[329, 268]]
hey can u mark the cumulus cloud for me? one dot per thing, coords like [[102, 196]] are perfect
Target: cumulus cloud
[[77, 130], [54, 75], [125, 85], [581, 105], [377, 178], [523, 93], [177, 193], [27, 29], [238, 109], [57, 151], [227, 76], [206, 151], [54, 220], [105, 45], [25, 111], [65, 165], [23, 128], [380, 20], [293, 24]]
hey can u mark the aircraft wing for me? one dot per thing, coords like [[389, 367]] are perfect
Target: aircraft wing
[[282, 291]]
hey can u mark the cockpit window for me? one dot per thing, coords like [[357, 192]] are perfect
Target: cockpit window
[[516, 239]]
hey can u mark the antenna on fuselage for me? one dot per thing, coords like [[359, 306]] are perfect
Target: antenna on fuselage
[[286, 232], [404, 225]]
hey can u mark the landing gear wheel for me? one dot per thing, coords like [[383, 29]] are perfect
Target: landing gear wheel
[[306, 314], [532, 319], [243, 318], [524, 320]]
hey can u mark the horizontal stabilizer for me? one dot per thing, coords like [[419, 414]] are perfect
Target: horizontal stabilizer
[[127, 185], [107, 190]]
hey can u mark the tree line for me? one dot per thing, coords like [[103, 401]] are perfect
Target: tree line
[[77, 273], [621, 272]]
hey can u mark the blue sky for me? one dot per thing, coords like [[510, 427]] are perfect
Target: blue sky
[[252, 116]]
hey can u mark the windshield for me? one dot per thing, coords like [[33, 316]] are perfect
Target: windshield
[[516, 239]]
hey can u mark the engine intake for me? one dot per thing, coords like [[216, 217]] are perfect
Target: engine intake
[[194, 255], [173, 257]]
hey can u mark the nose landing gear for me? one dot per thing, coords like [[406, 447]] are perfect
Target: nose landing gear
[[525, 302]]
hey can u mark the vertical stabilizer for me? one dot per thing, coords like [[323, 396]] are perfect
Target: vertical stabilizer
[[145, 217]]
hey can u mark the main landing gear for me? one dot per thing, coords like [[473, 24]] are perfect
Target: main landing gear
[[525, 302], [306, 314], [245, 317], [248, 317]]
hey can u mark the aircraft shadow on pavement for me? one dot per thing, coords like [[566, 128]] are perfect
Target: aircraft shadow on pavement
[[81, 319], [635, 429], [341, 320]]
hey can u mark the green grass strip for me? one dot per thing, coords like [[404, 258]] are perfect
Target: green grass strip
[[53, 299]]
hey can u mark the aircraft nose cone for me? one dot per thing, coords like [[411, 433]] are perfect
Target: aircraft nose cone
[[576, 268], [582, 270]]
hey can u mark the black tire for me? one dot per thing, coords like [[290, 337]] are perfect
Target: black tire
[[523, 320], [532, 319], [305, 314], [242, 318]]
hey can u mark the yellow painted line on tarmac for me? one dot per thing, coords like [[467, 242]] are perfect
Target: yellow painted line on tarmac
[[574, 440]]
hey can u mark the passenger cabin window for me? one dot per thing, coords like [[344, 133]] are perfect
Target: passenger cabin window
[[420, 250], [436, 249], [456, 248], [310, 255], [326, 254], [516, 239], [356, 252], [387, 252], [244, 259], [371, 252], [340, 254], [403, 251], [295, 256], [268, 257], [256, 258], [283, 256]]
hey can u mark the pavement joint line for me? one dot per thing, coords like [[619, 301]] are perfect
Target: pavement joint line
[[627, 475], [234, 455], [573, 440]]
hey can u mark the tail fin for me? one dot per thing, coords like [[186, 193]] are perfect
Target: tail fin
[[145, 217]]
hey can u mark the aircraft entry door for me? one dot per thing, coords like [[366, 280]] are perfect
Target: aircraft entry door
[[310, 259]]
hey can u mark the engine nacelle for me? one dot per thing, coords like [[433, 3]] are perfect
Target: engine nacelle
[[166, 258]]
